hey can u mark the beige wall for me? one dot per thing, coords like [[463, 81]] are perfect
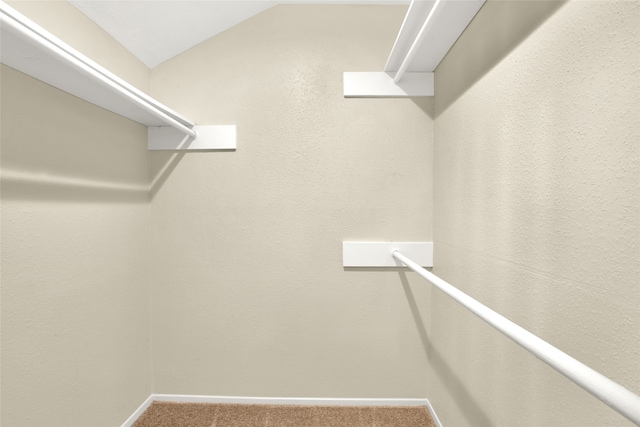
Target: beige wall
[[75, 312], [249, 295], [536, 209], [234, 259]]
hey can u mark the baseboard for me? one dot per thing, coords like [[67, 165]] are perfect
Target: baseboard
[[287, 400], [132, 419], [277, 401], [433, 414]]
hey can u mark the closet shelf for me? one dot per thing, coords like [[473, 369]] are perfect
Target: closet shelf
[[429, 30], [30, 49]]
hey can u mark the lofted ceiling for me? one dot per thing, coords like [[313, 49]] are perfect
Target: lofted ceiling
[[157, 30]]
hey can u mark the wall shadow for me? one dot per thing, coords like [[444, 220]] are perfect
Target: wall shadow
[[469, 407], [59, 148], [415, 312], [426, 104], [497, 29], [466, 404], [162, 165], [31, 187]]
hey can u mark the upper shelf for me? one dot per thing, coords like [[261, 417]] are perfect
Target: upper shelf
[[32, 50], [429, 30], [29, 48]]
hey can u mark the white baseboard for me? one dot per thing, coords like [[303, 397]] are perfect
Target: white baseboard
[[433, 414], [132, 419], [287, 400], [183, 398]]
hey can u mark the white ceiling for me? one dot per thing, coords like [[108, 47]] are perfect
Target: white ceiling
[[157, 30]]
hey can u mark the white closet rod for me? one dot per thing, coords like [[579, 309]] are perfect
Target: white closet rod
[[28, 29], [613, 394]]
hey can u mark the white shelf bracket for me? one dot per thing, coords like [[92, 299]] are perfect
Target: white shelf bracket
[[216, 137], [380, 254], [381, 85]]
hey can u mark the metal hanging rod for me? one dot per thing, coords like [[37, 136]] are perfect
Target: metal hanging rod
[[613, 394]]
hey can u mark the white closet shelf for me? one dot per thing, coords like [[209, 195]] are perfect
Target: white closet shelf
[[429, 30], [30, 49]]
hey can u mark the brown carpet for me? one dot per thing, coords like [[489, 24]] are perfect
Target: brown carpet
[[171, 414]]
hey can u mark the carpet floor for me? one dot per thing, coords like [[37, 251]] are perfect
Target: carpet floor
[[171, 414]]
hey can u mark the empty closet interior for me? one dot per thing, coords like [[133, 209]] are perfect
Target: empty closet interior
[[176, 226]]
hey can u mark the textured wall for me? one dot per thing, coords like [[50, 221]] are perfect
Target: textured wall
[[536, 213], [75, 313], [249, 295]]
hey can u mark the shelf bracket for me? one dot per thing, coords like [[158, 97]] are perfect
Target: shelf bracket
[[380, 254], [381, 85], [215, 137]]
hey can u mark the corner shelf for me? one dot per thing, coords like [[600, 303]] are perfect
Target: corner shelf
[[30, 49]]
